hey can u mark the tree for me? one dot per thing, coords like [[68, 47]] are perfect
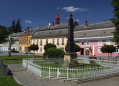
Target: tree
[[55, 53], [108, 49], [49, 45], [77, 48], [34, 48], [115, 4], [27, 28], [11, 41], [13, 27], [18, 26], [3, 33]]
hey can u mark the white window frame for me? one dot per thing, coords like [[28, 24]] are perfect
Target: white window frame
[[62, 40], [99, 42], [116, 51], [53, 41], [87, 42], [108, 42], [100, 50]]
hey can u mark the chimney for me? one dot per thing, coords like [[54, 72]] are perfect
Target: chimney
[[104, 20], [85, 23], [49, 24], [52, 23], [37, 27]]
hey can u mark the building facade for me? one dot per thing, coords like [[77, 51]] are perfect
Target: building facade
[[92, 37]]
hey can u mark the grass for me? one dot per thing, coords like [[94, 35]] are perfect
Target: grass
[[7, 81], [14, 59]]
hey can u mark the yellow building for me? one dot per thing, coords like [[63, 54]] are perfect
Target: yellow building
[[25, 40]]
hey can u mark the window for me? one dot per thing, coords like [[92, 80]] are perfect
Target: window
[[62, 48], [25, 40], [108, 42], [62, 41], [57, 41], [53, 41], [29, 40], [99, 49], [100, 42], [37, 41], [82, 43], [20, 48], [25, 48], [41, 42], [87, 42]]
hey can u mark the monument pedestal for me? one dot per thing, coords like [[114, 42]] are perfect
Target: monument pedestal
[[70, 56]]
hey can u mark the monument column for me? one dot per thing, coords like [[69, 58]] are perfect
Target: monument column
[[70, 52]]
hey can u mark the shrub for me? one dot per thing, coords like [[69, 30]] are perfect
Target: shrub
[[93, 63], [49, 45], [55, 53]]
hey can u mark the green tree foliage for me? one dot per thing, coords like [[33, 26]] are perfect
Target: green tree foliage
[[115, 20], [108, 49], [13, 27], [49, 45], [55, 53], [77, 48], [34, 48], [18, 26], [3, 33]]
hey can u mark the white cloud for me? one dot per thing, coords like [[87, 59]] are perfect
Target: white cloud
[[70, 9], [27, 21], [83, 9], [77, 20], [73, 9]]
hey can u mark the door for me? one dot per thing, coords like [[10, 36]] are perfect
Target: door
[[82, 51]]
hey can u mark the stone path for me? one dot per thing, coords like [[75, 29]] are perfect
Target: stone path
[[27, 78]]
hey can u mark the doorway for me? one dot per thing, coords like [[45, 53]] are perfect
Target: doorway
[[82, 51]]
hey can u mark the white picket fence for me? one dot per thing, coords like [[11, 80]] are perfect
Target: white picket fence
[[71, 73]]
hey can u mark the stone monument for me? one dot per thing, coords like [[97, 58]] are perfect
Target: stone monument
[[70, 57]]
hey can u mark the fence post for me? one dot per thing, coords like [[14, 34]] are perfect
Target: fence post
[[58, 73], [49, 71], [67, 73]]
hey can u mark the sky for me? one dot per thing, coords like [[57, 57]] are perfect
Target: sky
[[34, 13]]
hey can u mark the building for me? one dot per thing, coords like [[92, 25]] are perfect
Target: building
[[25, 39], [91, 37], [52, 33], [15, 46]]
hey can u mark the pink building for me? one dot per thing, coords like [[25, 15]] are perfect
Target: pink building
[[92, 37]]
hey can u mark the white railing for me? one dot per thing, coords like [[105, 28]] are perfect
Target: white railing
[[70, 73]]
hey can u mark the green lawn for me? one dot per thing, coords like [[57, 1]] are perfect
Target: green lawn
[[14, 59], [7, 81]]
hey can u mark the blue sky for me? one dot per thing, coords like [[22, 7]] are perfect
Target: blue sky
[[34, 13]]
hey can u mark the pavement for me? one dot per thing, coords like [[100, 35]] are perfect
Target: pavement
[[27, 78]]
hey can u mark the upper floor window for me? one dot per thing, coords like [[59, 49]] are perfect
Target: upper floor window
[[57, 41], [62, 40], [41, 42], [46, 41], [82, 43], [87, 42], [108, 42], [53, 41], [100, 42], [33, 41], [25, 40], [37, 41], [29, 40]]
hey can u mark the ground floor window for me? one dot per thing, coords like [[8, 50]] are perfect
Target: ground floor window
[[99, 50], [20, 48], [62, 48]]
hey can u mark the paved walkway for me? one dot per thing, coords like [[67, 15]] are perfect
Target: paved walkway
[[27, 78]]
